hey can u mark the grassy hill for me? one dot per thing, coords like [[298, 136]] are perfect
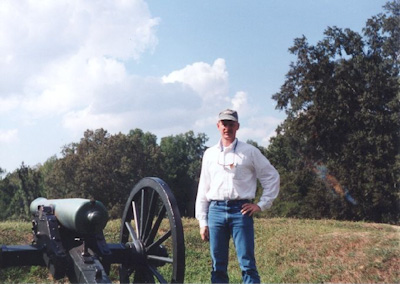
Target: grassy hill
[[287, 250]]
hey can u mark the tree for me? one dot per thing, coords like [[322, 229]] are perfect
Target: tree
[[341, 97], [105, 167], [17, 190], [8, 188], [31, 186], [181, 164]]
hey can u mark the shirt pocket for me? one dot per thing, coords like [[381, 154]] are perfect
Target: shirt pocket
[[241, 172]]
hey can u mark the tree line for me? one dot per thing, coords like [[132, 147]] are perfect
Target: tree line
[[337, 151], [106, 167]]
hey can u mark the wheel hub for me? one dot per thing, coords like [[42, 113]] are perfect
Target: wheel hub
[[138, 251]]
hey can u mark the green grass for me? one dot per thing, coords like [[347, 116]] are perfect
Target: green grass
[[287, 251]]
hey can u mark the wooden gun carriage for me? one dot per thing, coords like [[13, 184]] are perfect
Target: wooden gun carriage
[[69, 240]]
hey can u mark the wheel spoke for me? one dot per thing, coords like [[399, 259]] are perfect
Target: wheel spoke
[[150, 215], [157, 274], [159, 241], [142, 212], [135, 217], [143, 274], [157, 223], [160, 258], [131, 231]]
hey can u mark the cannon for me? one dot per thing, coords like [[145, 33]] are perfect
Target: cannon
[[69, 239]]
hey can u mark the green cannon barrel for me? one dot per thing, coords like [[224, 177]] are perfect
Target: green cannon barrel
[[77, 214]]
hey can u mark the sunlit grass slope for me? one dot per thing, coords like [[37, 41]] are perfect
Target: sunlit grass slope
[[287, 251]]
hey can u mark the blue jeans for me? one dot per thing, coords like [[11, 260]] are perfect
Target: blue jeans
[[226, 220]]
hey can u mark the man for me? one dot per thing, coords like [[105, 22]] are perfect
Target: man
[[228, 183]]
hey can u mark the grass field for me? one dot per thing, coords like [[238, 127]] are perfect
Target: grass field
[[287, 251]]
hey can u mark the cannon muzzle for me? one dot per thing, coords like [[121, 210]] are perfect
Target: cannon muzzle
[[77, 214]]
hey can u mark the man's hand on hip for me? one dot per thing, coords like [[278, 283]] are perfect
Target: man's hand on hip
[[250, 209]]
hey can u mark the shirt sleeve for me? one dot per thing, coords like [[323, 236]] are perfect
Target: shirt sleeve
[[269, 179], [201, 201]]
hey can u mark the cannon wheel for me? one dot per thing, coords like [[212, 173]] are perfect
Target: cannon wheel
[[152, 228]]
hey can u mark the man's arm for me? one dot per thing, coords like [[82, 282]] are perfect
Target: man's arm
[[269, 179], [201, 199]]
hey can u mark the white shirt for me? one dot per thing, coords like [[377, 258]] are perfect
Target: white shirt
[[230, 173]]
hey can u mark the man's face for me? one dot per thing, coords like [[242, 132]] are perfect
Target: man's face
[[228, 129]]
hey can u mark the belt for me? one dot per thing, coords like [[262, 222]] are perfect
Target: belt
[[231, 202]]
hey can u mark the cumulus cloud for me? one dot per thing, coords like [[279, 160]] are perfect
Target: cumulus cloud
[[209, 81], [71, 83], [239, 101], [49, 47], [259, 128], [63, 70], [79, 121], [49, 29], [68, 60], [56, 57], [144, 103]]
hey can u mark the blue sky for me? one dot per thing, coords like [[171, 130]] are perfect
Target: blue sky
[[166, 67]]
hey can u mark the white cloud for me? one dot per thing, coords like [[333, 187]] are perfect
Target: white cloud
[[209, 81], [79, 121], [63, 66], [144, 103], [259, 128], [56, 48], [72, 83], [61, 63], [67, 61], [121, 29], [239, 101]]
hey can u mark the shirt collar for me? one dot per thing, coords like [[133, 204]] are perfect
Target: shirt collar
[[233, 145]]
